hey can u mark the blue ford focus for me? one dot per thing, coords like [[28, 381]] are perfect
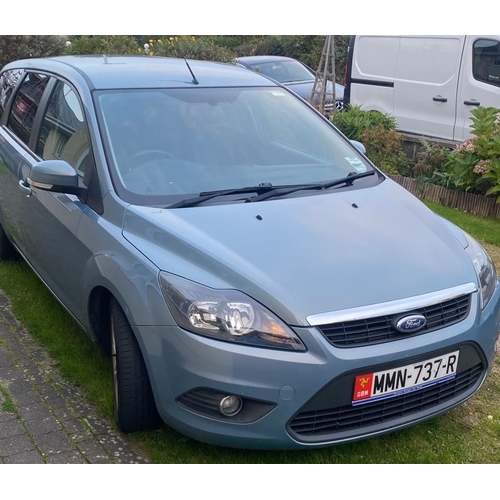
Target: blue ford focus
[[256, 281]]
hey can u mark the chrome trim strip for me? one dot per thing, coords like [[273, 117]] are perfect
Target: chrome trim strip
[[394, 307]]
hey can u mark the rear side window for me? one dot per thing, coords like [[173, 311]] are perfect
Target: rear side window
[[26, 105], [8, 82]]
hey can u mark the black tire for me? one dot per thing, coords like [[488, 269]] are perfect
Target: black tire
[[134, 405], [7, 250]]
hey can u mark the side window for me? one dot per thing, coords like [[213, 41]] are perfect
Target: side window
[[8, 82], [64, 133], [486, 61], [26, 104]]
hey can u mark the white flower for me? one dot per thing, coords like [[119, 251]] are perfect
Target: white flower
[[482, 167]]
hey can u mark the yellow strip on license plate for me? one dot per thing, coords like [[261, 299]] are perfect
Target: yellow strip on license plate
[[390, 383]]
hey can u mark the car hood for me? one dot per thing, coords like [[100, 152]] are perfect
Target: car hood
[[310, 254], [304, 89]]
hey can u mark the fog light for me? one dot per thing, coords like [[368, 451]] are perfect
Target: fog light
[[230, 406]]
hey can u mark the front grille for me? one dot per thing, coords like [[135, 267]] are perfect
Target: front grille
[[381, 329], [350, 420]]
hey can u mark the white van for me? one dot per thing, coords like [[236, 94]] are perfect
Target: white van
[[428, 83]]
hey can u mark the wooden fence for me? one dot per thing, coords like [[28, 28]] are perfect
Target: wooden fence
[[467, 202]]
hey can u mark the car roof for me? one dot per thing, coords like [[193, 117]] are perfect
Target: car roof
[[111, 72]]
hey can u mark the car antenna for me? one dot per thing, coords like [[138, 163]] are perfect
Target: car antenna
[[195, 81]]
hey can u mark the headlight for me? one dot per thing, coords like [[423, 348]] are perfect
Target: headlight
[[484, 267], [225, 315]]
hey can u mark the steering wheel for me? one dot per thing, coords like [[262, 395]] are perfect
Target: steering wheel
[[143, 173]]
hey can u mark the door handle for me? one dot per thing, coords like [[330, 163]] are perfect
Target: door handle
[[440, 98], [472, 103], [25, 188]]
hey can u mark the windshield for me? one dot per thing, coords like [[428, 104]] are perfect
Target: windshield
[[284, 71], [165, 144]]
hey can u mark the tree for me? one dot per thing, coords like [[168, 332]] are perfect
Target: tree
[[13, 47]]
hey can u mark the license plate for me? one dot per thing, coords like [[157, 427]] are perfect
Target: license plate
[[391, 383]]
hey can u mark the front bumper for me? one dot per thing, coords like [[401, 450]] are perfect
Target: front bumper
[[303, 400]]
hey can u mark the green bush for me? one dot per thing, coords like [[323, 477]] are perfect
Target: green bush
[[430, 162], [474, 165], [384, 147], [353, 121], [14, 47], [377, 131], [102, 44], [188, 46]]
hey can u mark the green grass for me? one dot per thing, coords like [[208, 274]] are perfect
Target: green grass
[[6, 403], [467, 434], [483, 229]]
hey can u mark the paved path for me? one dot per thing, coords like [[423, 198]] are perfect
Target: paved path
[[44, 419]]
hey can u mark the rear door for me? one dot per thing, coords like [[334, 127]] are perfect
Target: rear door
[[20, 99]]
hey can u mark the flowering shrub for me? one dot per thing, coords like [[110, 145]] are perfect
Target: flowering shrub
[[187, 46], [474, 165], [430, 162], [101, 44]]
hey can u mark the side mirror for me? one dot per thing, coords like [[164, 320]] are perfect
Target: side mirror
[[55, 176], [359, 146]]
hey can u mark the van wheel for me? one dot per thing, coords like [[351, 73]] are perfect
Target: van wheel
[[134, 405], [7, 250]]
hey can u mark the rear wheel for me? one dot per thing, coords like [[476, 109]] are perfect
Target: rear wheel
[[7, 250], [134, 405]]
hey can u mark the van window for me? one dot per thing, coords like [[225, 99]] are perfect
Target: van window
[[26, 104], [486, 61]]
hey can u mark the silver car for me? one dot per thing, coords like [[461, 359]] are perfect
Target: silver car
[[256, 281], [293, 74]]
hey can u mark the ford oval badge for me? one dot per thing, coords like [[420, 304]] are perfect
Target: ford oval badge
[[411, 323]]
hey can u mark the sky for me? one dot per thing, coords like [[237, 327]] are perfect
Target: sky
[[225, 17]]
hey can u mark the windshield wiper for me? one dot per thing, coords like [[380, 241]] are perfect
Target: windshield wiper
[[277, 192], [209, 195], [267, 191]]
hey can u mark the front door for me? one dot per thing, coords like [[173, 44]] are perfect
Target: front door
[[480, 84], [51, 220]]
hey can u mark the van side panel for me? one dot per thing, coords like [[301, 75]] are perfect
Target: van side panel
[[425, 86], [373, 71]]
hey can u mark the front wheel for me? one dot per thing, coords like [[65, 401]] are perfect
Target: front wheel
[[134, 405]]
